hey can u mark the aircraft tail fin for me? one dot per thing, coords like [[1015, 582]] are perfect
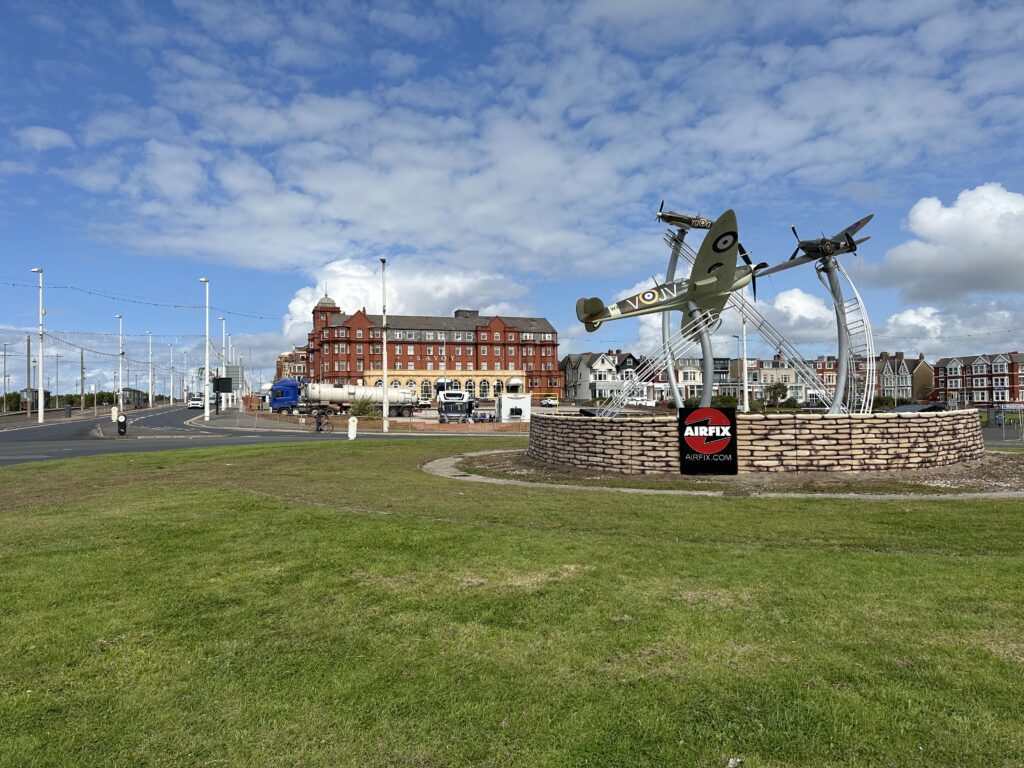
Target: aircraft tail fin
[[587, 308]]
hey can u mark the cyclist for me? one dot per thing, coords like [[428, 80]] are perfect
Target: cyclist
[[319, 416]]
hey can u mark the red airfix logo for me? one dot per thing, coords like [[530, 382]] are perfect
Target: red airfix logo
[[707, 430]]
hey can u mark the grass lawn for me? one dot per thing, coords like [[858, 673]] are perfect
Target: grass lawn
[[332, 605]]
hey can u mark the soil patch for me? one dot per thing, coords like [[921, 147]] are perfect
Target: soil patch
[[997, 472]]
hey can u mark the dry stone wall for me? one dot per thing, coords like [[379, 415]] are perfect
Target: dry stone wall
[[766, 443]]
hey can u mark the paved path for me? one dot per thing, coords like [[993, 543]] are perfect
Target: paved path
[[448, 467]]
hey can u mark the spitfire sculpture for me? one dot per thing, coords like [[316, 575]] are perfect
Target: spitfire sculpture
[[814, 250], [714, 276]]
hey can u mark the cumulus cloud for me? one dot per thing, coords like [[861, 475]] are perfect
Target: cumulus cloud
[[41, 138], [968, 247]]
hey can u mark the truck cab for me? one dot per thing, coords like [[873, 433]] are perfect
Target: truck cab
[[286, 396]]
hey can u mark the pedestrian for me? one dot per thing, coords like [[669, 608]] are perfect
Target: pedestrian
[[318, 416]]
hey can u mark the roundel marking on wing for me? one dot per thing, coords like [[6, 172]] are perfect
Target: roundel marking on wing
[[724, 242], [648, 297]]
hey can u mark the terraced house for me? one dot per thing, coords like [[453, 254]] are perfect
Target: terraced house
[[481, 355], [980, 381]]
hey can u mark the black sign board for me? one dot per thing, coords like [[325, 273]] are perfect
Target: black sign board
[[707, 441], [222, 384]]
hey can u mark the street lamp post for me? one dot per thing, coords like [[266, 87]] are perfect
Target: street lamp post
[[120, 362], [56, 358], [39, 388], [384, 425], [149, 335], [5, 377], [206, 364], [171, 393]]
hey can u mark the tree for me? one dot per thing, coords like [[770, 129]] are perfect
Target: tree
[[775, 393]]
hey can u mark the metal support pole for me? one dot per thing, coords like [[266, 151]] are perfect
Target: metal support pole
[[120, 362], [40, 402], [828, 266], [206, 364], [28, 376], [5, 377], [56, 357], [708, 363], [149, 335], [384, 407], [746, 391], [81, 390], [666, 331], [172, 374]]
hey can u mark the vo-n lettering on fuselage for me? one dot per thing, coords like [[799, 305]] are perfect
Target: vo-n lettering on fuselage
[[660, 294]]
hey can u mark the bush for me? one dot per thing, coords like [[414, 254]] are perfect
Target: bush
[[364, 408]]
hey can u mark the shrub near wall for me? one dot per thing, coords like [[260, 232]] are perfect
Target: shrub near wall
[[766, 443]]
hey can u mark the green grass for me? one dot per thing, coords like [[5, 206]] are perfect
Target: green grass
[[332, 605]]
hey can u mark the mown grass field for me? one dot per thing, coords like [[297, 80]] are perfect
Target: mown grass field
[[331, 605]]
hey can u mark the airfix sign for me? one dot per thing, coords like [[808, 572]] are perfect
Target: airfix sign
[[707, 441]]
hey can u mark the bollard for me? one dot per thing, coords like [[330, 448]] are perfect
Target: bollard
[[353, 425], [122, 425], [113, 413]]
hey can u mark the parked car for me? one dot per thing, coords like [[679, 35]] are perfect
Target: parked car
[[640, 401], [424, 402], [195, 402], [549, 402]]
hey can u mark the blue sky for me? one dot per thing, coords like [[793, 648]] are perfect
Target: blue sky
[[502, 156]]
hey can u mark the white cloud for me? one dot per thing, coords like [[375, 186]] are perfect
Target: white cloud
[[40, 138], [963, 327], [414, 288], [394, 64], [971, 246]]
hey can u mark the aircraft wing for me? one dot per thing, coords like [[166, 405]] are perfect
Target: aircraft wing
[[854, 228], [789, 263], [715, 266]]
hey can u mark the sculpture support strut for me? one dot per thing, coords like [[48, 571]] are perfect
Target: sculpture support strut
[[708, 363], [666, 331], [828, 266]]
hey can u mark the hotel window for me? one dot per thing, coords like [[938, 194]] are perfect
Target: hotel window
[[430, 366], [483, 351], [483, 336], [953, 370], [483, 366], [359, 349], [978, 383], [497, 366], [469, 366], [409, 350], [979, 368], [441, 336], [430, 335], [412, 366], [547, 337], [359, 333], [1000, 396], [398, 334], [497, 351], [497, 336], [512, 351], [457, 335], [458, 366], [999, 368], [430, 350], [398, 366]]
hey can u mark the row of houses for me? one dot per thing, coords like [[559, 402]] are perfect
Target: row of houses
[[486, 354], [980, 381]]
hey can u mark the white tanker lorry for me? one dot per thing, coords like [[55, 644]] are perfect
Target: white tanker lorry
[[294, 396]]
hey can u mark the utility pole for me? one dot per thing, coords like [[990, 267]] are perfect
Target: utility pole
[[41, 403], [172, 373], [384, 426], [5, 377], [206, 366], [56, 357], [149, 334], [120, 362], [28, 376], [81, 392]]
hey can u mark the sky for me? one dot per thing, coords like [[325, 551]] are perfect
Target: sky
[[506, 157]]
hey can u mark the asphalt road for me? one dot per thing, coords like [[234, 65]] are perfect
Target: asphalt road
[[162, 429]]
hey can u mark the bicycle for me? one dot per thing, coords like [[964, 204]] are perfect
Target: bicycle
[[326, 427]]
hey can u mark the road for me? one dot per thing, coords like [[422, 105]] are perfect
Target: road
[[161, 429]]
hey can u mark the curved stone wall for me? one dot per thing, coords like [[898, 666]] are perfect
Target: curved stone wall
[[802, 442]]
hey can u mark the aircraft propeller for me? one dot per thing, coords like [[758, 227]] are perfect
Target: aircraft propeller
[[753, 270], [660, 209], [797, 249]]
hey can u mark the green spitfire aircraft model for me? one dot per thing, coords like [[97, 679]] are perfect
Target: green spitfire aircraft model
[[714, 276]]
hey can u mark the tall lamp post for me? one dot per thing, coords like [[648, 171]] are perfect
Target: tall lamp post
[[56, 358], [5, 377], [39, 389], [149, 335], [384, 425], [120, 362], [206, 364]]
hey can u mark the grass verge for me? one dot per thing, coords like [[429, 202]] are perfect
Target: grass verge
[[330, 604]]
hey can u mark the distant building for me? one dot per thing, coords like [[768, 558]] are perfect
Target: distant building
[[980, 381], [478, 354], [903, 378], [290, 365]]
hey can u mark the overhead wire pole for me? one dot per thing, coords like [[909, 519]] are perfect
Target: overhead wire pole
[[120, 362], [5, 377], [40, 403], [384, 426], [172, 373], [149, 335], [56, 358], [28, 376], [206, 364]]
